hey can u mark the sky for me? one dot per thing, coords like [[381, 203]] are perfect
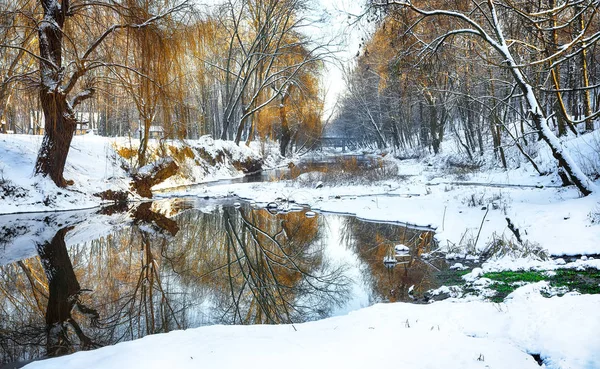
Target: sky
[[341, 25], [344, 25]]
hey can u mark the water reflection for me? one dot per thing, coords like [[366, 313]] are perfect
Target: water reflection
[[176, 264], [409, 276], [64, 295]]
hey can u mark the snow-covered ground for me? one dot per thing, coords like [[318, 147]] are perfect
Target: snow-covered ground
[[448, 334], [468, 210], [95, 166]]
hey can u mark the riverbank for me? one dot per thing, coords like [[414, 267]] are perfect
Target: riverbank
[[562, 331], [97, 164], [469, 211]]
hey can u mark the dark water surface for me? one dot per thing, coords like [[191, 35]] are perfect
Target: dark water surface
[[81, 280]]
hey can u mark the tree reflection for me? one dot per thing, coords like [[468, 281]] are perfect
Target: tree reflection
[[137, 302], [276, 270], [52, 316], [158, 273], [64, 294], [255, 267], [374, 241]]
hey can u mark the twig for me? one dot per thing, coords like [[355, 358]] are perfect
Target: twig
[[480, 227]]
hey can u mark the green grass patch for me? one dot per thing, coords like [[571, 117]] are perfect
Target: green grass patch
[[513, 277], [583, 281]]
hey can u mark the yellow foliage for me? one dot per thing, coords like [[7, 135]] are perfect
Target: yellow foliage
[[180, 154], [126, 152]]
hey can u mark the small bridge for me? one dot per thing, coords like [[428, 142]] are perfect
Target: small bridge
[[334, 142]]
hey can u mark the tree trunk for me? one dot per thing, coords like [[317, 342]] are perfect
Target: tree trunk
[[60, 122], [561, 113], [240, 128], [142, 150], [587, 99], [3, 104], [577, 177], [58, 133], [286, 134]]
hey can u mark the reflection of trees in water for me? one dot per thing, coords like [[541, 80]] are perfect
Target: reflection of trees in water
[[53, 315], [259, 268], [374, 241], [47, 312], [63, 297], [279, 269], [159, 275]]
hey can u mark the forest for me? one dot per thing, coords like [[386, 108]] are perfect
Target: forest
[[237, 71], [490, 76], [299, 183], [486, 77]]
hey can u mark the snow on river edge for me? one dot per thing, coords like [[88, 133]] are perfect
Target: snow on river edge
[[448, 334], [454, 333]]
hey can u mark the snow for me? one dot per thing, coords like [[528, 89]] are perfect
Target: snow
[[20, 234], [95, 166], [91, 164], [401, 248], [467, 213], [449, 334], [558, 219], [528, 264]]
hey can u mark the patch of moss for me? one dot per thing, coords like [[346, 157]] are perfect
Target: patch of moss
[[583, 281], [512, 277]]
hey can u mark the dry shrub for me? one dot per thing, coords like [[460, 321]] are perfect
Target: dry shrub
[[345, 171], [126, 152], [503, 246], [180, 154]]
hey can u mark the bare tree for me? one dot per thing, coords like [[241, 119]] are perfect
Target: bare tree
[[483, 21], [265, 54]]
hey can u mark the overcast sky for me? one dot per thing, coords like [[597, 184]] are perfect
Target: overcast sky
[[340, 23]]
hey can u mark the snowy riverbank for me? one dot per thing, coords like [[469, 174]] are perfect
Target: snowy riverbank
[[97, 164], [468, 211], [557, 218], [448, 334]]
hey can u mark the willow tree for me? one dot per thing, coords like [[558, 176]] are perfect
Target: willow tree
[[154, 70], [60, 89], [260, 36], [16, 51]]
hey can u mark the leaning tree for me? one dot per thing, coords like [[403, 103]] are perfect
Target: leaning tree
[[61, 89], [485, 20]]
